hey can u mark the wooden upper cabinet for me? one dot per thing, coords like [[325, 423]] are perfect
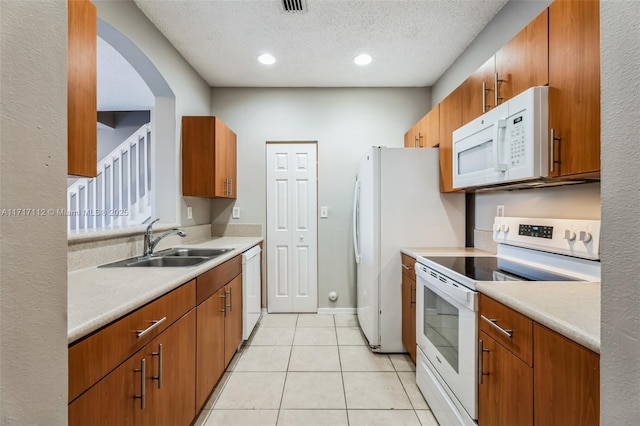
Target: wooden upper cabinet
[[574, 81], [450, 120], [524, 61], [82, 115], [431, 127], [566, 380], [208, 158], [478, 91]]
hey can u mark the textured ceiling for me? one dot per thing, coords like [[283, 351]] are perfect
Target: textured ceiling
[[120, 87], [412, 42]]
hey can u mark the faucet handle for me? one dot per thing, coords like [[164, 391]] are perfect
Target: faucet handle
[[151, 224]]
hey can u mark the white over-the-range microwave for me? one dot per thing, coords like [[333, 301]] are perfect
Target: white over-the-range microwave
[[508, 144]]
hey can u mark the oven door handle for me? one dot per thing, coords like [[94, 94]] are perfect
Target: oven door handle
[[451, 292]]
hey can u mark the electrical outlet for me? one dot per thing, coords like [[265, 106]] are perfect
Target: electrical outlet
[[324, 212], [189, 212], [236, 213], [500, 210]]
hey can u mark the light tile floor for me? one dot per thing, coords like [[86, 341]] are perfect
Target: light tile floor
[[315, 370]]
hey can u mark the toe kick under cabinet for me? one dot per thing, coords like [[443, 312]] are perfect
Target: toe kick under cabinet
[[158, 364]]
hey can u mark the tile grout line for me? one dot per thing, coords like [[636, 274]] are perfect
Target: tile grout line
[[286, 373]]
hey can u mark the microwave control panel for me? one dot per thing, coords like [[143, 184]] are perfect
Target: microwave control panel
[[516, 129]]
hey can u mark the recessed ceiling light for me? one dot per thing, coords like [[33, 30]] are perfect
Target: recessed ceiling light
[[267, 59], [363, 59]]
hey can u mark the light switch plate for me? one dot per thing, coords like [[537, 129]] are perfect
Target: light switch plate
[[324, 212], [236, 213], [500, 210], [189, 212]]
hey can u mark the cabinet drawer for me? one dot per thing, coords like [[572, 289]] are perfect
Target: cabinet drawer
[[408, 266], [213, 280], [509, 328], [93, 357]]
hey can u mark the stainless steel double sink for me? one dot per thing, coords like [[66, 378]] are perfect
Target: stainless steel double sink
[[170, 258]]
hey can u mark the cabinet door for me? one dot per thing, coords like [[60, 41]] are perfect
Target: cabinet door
[[209, 345], [82, 114], [232, 162], [172, 373], [505, 396], [233, 320], [574, 80], [450, 120], [408, 141], [478, 94], [112, 400], [566, 380], [198, 145], [408, 329], [432, 127], [221, 169], [524, 61]]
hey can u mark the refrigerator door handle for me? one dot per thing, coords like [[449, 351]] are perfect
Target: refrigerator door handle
[[356, 217]]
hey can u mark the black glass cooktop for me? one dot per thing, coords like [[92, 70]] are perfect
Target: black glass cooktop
[[489, 268]]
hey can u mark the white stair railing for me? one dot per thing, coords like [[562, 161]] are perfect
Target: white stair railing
[[120, 195]]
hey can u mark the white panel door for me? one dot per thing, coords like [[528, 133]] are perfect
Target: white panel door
[[292, 237]]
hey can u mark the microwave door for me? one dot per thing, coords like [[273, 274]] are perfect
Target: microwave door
[[478, 157]]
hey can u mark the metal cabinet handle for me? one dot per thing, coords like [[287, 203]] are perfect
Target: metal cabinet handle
[[413, 296], [508, 333], [552, 159], [415, 141], [496, 88], [419, 140], [481, 351], [230, 186], [405, 267], [224, 305], [159, 376], [484, 97], [143, 389], [230, 305], [154, 324]]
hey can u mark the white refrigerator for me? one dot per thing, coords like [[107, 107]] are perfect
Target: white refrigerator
[[397, 203]]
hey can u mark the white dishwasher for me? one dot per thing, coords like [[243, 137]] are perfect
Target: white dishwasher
[[251, 303]]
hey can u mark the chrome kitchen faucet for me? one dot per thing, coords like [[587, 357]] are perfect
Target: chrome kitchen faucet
[[150, 243]]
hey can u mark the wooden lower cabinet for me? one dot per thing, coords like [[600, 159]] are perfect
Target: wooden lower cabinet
[[133, 395], [505, 395], [561, 387], [409, 315], [210, 345], [219, 331], [233, 320], [566, 381]]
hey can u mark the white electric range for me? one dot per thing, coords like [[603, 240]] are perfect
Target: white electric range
[[552, 250]]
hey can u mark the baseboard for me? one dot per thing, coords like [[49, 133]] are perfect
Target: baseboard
[[336, 311]]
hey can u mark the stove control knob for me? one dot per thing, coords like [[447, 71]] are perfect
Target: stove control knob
[[585, 236], [496, 227], [504, 227], [569, 235]]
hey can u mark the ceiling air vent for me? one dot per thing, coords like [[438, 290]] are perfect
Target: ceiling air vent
[[294, 6]]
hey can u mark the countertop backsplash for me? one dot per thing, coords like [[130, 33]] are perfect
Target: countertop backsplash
[[85, 254]]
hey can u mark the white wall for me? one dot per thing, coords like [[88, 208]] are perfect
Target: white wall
[[620, 353], [33, 170], [192, 97], [344, 122], [574, 202]]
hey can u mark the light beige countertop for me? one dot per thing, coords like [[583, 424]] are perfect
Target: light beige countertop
[[444, 251], [98, 296], [571, 309]]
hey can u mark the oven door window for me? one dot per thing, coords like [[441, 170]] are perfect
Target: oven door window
[[441, 322]]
